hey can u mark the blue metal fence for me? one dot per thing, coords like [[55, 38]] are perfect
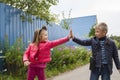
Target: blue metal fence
[[12, 25]]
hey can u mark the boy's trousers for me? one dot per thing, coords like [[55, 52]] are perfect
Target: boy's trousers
[[103, 72]]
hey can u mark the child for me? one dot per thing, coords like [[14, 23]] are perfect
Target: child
[[38, 53], [103, 51]]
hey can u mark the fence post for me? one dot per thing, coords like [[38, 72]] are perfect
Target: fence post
[[2, 57]]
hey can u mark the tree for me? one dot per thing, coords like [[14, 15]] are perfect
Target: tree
[[92, 31], [39, 8], [66, 21], [117, 40]]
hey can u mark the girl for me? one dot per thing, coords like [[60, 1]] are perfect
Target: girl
[[38, 53]]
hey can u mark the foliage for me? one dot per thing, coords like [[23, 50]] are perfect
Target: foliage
[[39, 8], [115, 37], [66, 21], [66, 58], [117, 44], [13, 59], [92, 31], [117, 40], [6, 44], [9, 77]]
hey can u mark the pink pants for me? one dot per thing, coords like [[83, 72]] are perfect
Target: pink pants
[[35, 71]]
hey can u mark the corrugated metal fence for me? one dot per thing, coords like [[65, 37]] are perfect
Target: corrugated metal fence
[[13, 25]]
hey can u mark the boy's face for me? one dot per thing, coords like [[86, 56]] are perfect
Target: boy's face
[[99, 33], [44, 35]]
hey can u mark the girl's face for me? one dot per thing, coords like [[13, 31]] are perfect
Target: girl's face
[[43, 35], [99, 33]]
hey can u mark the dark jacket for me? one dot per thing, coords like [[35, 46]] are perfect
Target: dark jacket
[[110, 50]]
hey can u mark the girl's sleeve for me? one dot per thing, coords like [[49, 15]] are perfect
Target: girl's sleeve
[[58, 41], [26, 54]]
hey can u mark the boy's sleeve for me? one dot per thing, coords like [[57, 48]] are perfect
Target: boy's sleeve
[[58, 41], [87, 42], [26, 54], [116, 56]]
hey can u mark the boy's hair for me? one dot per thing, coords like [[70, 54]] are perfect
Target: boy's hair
[[43, 28], [36, 37], [102, 26]]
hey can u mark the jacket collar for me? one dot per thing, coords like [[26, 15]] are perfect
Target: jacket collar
[[102, 39], [107, 40]]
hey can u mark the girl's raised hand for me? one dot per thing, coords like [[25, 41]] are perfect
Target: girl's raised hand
[[71, 34]]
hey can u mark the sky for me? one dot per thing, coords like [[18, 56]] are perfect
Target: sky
[[107, 11]]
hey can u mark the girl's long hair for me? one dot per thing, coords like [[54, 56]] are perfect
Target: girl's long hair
[[37, 34], [36, 37]]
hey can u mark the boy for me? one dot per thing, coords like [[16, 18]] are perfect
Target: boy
[[103, 51]]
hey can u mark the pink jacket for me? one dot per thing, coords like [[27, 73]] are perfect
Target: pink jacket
[[42, 51]]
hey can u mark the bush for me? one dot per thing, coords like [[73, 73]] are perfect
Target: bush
[[13, 60], [66, 58], [117, 44]]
